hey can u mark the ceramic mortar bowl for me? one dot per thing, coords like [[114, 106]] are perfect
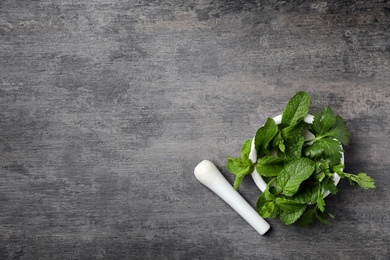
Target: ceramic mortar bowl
[[307, 135]]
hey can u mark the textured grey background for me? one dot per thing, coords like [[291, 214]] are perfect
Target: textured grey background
[[106, 107]]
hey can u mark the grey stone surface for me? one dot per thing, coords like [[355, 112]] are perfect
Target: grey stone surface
[[106, 107]]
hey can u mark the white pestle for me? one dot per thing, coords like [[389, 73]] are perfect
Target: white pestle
[[211, 177]]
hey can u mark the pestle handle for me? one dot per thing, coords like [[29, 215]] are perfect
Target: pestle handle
[[211, 177]]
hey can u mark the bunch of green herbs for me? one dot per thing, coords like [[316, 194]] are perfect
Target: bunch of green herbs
[[298, 171]]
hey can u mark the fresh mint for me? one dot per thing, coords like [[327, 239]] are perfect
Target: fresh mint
[[294, 146], [293, 174], [264, 136], [241, 166], [298, 171], [296, 109], [269, 165]]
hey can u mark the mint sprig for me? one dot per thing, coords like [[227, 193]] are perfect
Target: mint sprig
[[299, 171], [241, 166], [296, 109]]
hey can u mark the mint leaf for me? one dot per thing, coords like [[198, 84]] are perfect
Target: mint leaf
[[288, 205], [303, 195], [307, 194], [296, 109], [265, 205], [321, 176], [293, 174], [265, 197], [236, 165], [308, 216], [282, 146], [278, 142], [294, 146], [290, 217], [240, 176], [269, 210], [269, 165], [291, 130], [245, 150], [264, 136], [241, 166]]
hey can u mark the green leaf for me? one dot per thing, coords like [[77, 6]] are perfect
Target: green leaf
[[293, 174], [308, 216], [278, 142], [269, 210], [361, 179], [364, 180], [245, 150], [266, 206], [236, 165], [273, 190], [339, 170], [329, 185], [321, 203], [292, 130], [269, 165], [261, 201], [240, 176], [265, 197], [290, 217], [282, 146], [296, 109], [264, 136], [303, 195], [329, 125], [339, 131], [324, 122], [328, 148], [239, 168], [288, 205], [294, 146], [323, 166], [315, 193], [320, 217], [315, 126], [321, 176]]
